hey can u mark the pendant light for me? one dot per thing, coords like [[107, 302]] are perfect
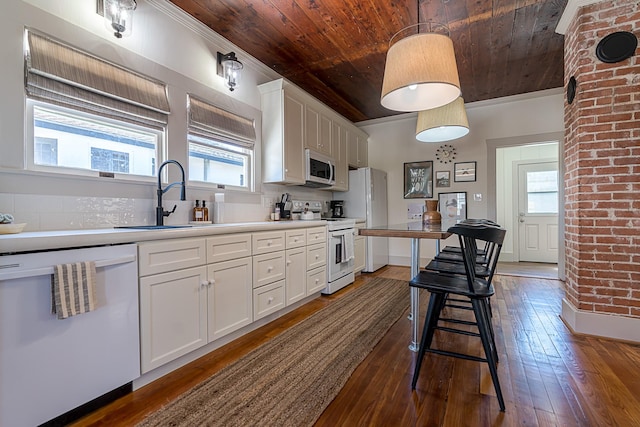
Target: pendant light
[[443, 123], [421, 71]]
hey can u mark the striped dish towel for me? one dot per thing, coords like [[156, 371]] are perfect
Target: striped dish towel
[[73, 289]]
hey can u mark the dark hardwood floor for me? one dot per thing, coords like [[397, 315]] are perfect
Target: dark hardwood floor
[[549, 376]]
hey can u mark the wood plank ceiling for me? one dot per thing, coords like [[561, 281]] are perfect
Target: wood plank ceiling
[[336, 49]]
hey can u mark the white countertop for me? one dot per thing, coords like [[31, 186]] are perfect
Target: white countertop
[[47, 240]]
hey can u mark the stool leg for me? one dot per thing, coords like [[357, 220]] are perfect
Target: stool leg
[[430, 321], [479, 309]]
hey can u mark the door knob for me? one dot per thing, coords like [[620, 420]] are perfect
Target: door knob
[[521, 220]]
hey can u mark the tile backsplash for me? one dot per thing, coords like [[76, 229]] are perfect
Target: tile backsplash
[[46, 212]]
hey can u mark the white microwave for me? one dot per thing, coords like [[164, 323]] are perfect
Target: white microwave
[[320, 170]]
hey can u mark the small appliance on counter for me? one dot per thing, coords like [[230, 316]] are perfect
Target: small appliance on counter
[[336, 208], [306, 210], [285, 206]]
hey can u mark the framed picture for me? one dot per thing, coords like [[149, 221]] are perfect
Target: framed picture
[[453, 206], [418, 180], [464, 172], [443, 179]]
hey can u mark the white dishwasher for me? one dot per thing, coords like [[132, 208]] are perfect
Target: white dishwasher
[[50, 366]]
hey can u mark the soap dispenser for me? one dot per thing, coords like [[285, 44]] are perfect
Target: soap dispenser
[[198, 212]]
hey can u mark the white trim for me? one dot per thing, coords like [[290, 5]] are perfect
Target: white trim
[[570, 11], [601, 325]]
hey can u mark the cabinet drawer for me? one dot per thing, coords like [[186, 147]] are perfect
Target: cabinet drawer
[[169, 255], [316, 256], [268, 299], [316, 280], [268, 268], [316, 235], [228, 247], [268, 241], [296, 238]]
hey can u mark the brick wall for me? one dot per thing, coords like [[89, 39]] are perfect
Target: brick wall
[[602, 158]]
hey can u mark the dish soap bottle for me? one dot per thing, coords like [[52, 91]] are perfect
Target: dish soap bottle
[[197, 212], [205, 211]]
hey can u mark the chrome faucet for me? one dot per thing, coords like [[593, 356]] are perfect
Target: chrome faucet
[[160, 212]]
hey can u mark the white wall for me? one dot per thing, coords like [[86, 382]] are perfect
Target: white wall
[[392, 143], [165, 44]]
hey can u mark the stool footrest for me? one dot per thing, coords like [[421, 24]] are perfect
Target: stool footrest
[[456, 354]]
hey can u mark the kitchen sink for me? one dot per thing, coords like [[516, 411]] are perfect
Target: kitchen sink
[[152, 227]]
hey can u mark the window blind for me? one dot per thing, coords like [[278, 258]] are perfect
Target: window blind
[[209, 121], [63, 75]]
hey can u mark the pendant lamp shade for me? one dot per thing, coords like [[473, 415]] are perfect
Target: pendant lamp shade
[[420, 73], [443, 123]]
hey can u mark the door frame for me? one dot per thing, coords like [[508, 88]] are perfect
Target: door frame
[[516, 200], [494, 144]]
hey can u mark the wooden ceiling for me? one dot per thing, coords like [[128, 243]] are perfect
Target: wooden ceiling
[[336, 49]]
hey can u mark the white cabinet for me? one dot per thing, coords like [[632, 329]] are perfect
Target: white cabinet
[[316, 259], [173, 300], [283, 134], [296, 274], [359, 249], [339, 151], [357, 142], [229, 296], [317, 130], [183, 307], [268, 272]]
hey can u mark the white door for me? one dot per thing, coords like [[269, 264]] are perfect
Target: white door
[[538, 212]]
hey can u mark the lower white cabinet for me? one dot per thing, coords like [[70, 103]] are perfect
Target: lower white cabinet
[[173, 315], [316, 280], [296, 274], [359, 252], [268, 299], [229, 296]]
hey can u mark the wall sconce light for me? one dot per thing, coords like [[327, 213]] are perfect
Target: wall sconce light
[[118, 15], [229, 67], [421, 71], [443, 123]]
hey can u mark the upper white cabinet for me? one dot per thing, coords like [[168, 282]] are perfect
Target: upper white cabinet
[[292, 120], [357, 142], [317, 130], [339, 150], [283, 134]]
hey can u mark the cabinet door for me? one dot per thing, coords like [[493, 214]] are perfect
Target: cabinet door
[[359, 249], [229, 295], [363, 151], [352, 148], [293, 149], [173, 315], [312, 128], [324, 141], [296, 270], [268, 299], [339, 152]]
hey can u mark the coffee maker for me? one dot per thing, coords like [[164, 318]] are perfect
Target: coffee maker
[[336, 208]]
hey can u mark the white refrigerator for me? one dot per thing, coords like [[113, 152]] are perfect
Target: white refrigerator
[[367, 198]]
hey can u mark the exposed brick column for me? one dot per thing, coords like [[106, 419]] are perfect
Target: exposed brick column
[[602, 158]]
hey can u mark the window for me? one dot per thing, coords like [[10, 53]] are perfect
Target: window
[[220, 146], [74, 140], [87, 114], [542, 192]]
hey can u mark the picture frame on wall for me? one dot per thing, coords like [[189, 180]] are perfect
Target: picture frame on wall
[[443, 179], [464, 172], [418, 180], [453, 206]]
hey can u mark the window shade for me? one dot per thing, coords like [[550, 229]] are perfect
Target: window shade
[[209, 121], [66, 76]]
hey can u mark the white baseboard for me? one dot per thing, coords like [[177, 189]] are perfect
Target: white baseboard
[[601, 325]]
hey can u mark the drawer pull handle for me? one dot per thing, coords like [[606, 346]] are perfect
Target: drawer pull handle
[[269, 268], [269, 243], [204, 283], [270, 300], [288, 262]]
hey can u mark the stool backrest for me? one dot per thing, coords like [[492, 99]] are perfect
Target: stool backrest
[[467, 235]]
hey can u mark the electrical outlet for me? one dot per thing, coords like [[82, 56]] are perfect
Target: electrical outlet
[[268, 202], [414, 210]]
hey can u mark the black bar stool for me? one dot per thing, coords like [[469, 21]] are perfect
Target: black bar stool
[[476, 289]]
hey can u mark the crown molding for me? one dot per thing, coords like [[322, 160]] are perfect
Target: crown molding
[[569, 13]]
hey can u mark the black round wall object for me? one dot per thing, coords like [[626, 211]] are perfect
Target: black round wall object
[[617, 47], [571, 89]]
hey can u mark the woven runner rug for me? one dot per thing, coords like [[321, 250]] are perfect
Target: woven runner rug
[[291, 379]]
